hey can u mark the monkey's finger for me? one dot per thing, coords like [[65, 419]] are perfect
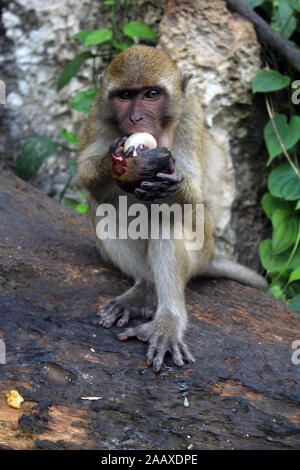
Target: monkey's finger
[[129, 152], [124, 318], [162, 347], [109, 314], [176, 355], [175, 177], [119, 142], [151, 350], [151, 195], [161, 187], [144, 195], [109, 320], [128, 333], [109, 310], [156, 186], [106, 307], [187, 355]]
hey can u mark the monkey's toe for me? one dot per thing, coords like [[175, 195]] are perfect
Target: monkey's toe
[[158, 348], [109, 313], [142, 332]]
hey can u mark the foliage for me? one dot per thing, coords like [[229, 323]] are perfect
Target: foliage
[[280, 255], [117, 35]]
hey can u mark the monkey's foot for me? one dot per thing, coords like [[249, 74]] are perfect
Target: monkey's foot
[[119, 310], [138, 301], [159, 344]]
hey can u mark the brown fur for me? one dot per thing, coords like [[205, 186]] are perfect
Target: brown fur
[[158, 267]]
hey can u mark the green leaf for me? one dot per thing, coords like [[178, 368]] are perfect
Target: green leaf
[[71, 69], [269, 204], [292, 289], [82, 35], [270, 261], [254, 3], [83, 208], [283, 182], [269, 80], [295, 262], [140, 30], [285, 225], [289, 134], [295, 302], [122, 46], [283, 19], [295, 275], [295, 4], [82, 101], [297, 206], [275, 291], [32, 154], [98, 36], [274, 263], [70, 137]]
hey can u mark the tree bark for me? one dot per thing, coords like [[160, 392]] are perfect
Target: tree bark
[[242, 392]]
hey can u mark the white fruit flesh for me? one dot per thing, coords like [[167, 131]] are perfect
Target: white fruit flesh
[[140, 138]]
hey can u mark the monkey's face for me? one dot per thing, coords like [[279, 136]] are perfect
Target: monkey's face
[[140, 110]]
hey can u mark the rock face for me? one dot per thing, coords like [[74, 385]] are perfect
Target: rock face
[[220, 49], [242, 393], [36, 45]]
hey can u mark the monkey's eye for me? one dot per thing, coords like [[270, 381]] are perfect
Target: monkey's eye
[[152, 94], [124, 95]]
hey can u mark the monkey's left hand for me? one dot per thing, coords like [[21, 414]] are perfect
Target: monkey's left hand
[[167, 185]]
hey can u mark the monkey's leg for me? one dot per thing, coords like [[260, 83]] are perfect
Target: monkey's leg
[[140, 300], [135, 302], [170, 266]]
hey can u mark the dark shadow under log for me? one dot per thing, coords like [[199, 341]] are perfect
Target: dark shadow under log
[[243, 391]]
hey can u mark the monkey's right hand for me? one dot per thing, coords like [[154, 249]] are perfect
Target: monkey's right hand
[[117, 146]]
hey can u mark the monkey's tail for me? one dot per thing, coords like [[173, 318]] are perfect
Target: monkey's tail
[[221, 267]]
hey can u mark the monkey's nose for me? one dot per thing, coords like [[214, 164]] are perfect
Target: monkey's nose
[[135, 120]]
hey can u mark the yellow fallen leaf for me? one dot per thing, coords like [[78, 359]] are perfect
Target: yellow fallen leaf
[[14, 399]]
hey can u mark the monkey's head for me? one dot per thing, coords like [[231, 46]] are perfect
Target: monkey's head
[[142, 91]]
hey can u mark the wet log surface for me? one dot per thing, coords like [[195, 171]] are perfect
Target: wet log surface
[[243, 391]]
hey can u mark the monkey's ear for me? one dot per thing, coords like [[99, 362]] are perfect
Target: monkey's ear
[[185, 80]]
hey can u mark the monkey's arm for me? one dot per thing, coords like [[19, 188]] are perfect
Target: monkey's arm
[[94, 172]]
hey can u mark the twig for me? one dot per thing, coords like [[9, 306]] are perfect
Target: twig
[[266, 33], [271, 116]]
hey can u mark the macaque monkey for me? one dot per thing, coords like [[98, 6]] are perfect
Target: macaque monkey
[[144, 91]]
